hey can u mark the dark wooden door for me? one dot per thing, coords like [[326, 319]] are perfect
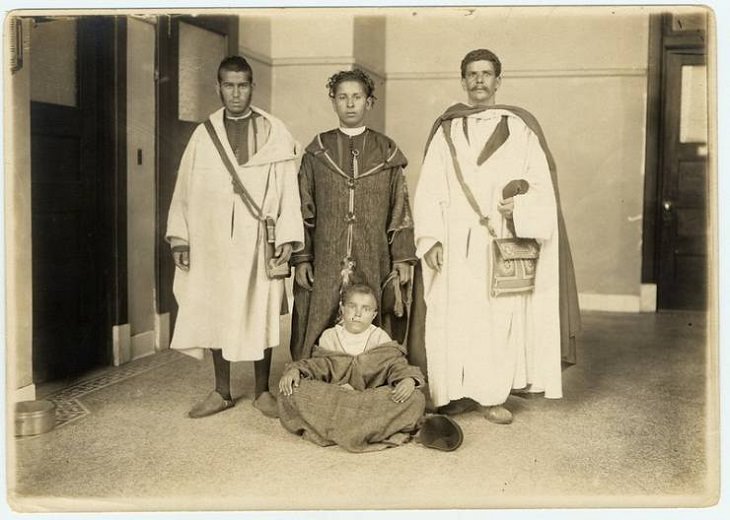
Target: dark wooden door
[[185, 98], [682, 248], [69, 311]]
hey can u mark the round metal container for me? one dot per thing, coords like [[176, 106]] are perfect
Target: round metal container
[[34, 417]]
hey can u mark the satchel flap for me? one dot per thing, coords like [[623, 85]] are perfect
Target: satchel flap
[[517, 248]]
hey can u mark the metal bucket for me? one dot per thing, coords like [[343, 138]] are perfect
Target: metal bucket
[[34, 417]]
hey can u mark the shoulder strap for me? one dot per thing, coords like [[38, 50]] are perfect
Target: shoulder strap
[[237, 185], [483, 220]]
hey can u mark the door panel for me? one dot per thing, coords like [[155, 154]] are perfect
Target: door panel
[[69, 311], [682, 252], [64, 230]]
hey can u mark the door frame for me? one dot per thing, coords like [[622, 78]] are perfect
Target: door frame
[[103, 73], [663, 39], [112, 108], [167, 117]]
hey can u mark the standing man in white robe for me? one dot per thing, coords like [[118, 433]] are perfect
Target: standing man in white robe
[[481, 347], [226, 301]]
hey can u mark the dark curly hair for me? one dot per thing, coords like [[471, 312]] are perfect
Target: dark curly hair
[[479, 55], [351, 75]]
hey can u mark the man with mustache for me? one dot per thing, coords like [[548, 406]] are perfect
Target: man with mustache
[[480, 347]]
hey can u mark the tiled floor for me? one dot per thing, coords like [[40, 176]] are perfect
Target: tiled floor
[[633, 429], [67, 400]]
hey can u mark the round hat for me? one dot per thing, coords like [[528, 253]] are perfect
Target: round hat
[[440, 432]]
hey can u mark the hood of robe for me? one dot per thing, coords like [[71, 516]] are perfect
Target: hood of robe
[[390, 346], [281, 145], [383, 155]]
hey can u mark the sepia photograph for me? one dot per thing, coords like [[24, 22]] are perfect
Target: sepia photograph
[[445, 258]]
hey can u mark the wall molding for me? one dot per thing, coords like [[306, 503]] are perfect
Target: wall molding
[[143, 344], [609, 302], [121, 344], [370, 70], [645, 301], [312, 61], [162, 331], [24, 393], [294, 61], [307, 61], [524, 74], [648, 297], [253, 55]]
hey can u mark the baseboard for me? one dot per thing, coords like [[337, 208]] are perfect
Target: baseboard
[[143, 344], [121, 344], [648, 297], [162, 331], [645, 301], [609, 302], [24, 393]]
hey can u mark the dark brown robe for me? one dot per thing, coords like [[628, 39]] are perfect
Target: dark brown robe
[[382, 225]]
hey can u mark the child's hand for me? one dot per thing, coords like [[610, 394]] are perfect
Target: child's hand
[[403, 389], [288, 381]]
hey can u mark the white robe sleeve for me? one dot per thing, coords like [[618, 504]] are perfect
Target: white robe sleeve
[[177, 217], [535, 212], [289, 223], [432, 193]]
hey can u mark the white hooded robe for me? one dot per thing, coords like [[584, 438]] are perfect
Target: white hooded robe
[[477, 345], [225, 300]]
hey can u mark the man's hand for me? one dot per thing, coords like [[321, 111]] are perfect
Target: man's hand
[[404, 271], [435, 257], [304, 275], [403, 389], [181, 259], [289, 381], [506, 207], [282, 254]]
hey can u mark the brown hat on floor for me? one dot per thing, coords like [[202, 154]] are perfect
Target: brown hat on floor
[[441, 433]]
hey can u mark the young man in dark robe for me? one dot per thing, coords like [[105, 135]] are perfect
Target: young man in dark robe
[[357, 219]]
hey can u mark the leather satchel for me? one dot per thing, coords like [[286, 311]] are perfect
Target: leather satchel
[[513, 260], [273, 271]]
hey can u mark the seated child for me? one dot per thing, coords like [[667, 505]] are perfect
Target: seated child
[[357, 389]]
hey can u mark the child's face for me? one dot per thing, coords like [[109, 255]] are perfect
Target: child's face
[[351, 103], [358, 312]]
